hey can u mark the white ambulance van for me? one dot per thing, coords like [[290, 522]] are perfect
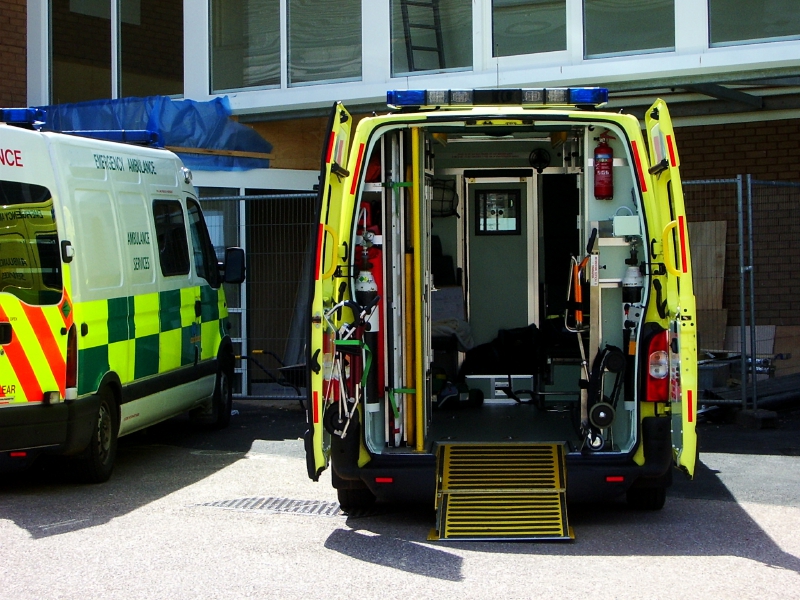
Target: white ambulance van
[[112, 314], [503, 319]]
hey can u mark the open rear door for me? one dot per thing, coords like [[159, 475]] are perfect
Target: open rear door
[[674, 240], [332, 177]]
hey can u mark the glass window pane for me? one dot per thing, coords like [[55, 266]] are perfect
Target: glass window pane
[[151, 47], [245, 44], [425, 39], [173, 251], [30, 261], [205, 259], [81, 50], [324, 41], [628, 27], [732, 21], [528, 26]]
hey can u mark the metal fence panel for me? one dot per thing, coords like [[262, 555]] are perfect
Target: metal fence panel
[[268, 323]]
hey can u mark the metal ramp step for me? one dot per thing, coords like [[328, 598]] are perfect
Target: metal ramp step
[[501, 491]]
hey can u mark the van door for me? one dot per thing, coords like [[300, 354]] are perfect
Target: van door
[[674, 240], [333, 174]]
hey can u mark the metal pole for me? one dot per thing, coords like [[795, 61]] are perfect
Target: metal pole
[[750, 269], [742, 330]]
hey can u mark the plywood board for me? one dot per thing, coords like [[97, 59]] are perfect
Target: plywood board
[[707, 239], [787, 350]]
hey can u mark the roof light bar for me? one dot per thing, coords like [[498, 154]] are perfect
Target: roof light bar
[[129, 136], [590, 96], [22, 116]]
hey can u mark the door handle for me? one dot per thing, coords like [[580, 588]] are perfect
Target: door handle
[[198, 308]]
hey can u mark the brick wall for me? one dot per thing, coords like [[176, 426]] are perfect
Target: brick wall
[[13, 65], [769, 150]]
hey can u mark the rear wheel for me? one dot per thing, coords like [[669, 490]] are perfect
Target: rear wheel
[[223, 400], [95, 463], [354, 500], [652, 498]]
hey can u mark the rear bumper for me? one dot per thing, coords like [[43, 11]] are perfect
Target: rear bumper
[[63, 428], [590, 477]]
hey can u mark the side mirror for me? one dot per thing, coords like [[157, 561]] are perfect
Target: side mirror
[[234, 265]]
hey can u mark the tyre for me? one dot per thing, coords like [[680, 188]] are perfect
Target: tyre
[[222, 401], [95, 463], [651, 498], [355, 500]]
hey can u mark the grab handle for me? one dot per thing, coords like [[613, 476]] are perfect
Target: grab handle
[[330, 231], [668, 259]]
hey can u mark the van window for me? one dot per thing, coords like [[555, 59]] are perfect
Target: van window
[[173, 252], [30, 264], [205, 259]]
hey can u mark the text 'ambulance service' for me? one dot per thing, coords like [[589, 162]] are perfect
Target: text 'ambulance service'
[[502, 318], [112, 314]]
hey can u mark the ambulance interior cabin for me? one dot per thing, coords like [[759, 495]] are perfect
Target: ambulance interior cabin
[[529, 268]]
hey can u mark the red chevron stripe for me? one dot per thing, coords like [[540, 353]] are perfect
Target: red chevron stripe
[[49, 344], [22, 366]]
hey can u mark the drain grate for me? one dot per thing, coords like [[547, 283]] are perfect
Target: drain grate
[[280, 505]]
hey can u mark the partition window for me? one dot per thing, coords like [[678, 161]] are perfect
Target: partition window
[[619, 27], [431, 36], [245, 44], [743, 21], [528, 26], [324, 41]]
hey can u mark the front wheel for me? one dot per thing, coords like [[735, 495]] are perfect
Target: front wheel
[[223, 400], [95, 463]]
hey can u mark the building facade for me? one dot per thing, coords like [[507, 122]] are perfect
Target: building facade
[[729, 69]]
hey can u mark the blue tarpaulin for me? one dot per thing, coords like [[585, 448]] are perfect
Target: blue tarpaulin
[[178, 123]]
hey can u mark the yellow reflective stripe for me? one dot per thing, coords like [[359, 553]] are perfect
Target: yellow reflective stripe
[[210, 333], [95, 315], [188, 297], [146, 315], [169, 350], [121, 359]]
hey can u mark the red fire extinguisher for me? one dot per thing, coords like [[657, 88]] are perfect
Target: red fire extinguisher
[[604, 168]]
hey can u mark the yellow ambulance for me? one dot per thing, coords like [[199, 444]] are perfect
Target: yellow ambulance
[[503, 320], [112, 314]]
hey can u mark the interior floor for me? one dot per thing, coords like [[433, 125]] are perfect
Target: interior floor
[[503, 423]]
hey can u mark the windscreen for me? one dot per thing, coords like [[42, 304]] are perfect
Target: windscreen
[[30, 265]]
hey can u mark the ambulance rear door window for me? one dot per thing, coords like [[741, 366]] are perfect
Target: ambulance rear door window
[[30, 263], [173, 251]]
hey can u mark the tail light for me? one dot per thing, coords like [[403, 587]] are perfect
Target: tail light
[[658, 368], [72, 364]]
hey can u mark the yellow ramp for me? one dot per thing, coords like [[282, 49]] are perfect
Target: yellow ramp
[[501, 491]]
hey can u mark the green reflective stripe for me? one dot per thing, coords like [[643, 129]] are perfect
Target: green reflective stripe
[[146, 357], [170, 310], [210, 300], [144, 335], [92, 365], [117, 320]]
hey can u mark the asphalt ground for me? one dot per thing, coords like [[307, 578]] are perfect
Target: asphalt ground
[[187, 515]]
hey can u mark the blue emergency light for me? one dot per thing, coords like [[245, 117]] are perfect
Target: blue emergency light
[[582, 97], [128, 136], [22, 116]]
